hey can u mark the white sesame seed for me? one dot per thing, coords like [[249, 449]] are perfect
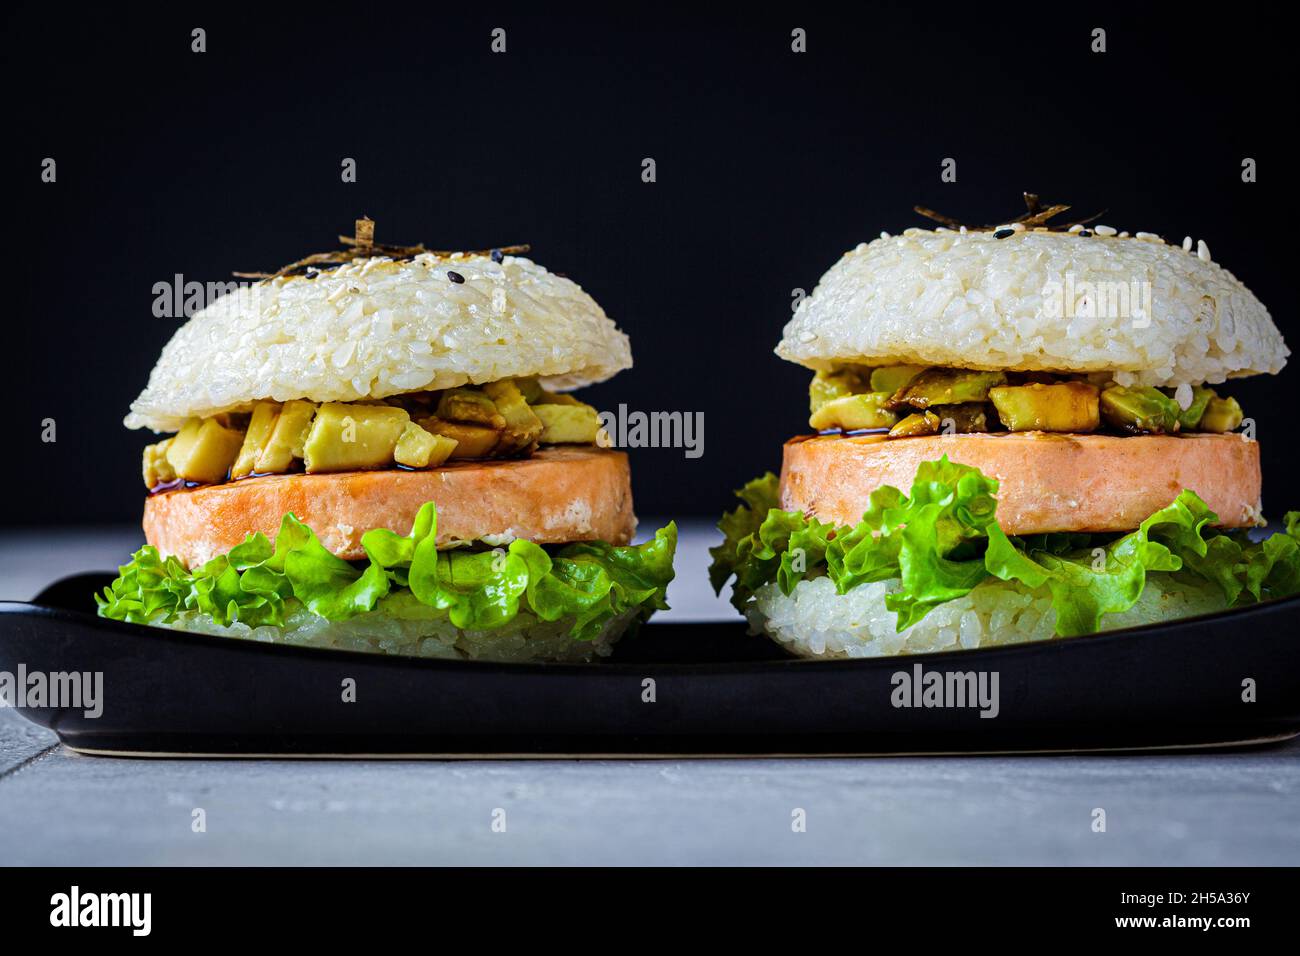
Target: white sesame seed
[[1148, 236], [963, 230], [1203, 251], [883, 234], [1187, 243], [1018, 226], [1104, 230], [1123, 235], [1077, 227]]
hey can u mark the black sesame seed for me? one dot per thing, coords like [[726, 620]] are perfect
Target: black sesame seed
[[497, 255], [1003, 233], [455, 276], [1085, 233]]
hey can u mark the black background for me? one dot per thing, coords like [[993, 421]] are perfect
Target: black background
[[770, 164]]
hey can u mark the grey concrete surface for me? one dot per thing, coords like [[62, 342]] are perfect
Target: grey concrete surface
[[57, 807]]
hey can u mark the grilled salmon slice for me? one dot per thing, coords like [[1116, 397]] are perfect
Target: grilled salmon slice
[[1047, 482], [558, 495]]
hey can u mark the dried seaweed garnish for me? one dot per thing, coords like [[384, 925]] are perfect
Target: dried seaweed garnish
[[362, 245], [1036, 216], [940, 217]]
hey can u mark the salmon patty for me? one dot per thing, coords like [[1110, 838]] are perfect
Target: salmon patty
[[558, 495], [1047, 482]]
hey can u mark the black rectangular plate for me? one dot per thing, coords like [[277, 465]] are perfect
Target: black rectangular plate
[[717, 691]]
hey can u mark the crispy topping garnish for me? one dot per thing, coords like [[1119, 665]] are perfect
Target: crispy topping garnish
[[362, 245], [1036, 216]]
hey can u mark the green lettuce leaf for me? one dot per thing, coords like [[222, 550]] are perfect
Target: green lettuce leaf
[[930, 541], [479, 589], [740, 528], [925, 540], [943, 539]]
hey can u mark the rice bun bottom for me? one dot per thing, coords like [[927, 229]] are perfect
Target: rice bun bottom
[[814, 621], [525, 639]]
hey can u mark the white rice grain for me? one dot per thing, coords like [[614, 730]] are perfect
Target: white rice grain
[[424, 634], [815, 621], [974, 301], [374, 328]]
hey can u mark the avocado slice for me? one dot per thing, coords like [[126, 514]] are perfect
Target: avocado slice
[[472, 441], [965, 418], [568, 424], [920, 423], [157, 470], [178, 447], [288, 438], [351, 437], [522, 426], [417, 448], [260, 427], [1139, 409], [554, 398], [1221, 415], [203, 450], [840, 383], [1190, 417], [852, 412], [947, 386], [891, 378], [531, 389], [470, 405], [1062, 407]]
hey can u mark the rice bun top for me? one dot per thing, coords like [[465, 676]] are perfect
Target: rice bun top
[[1088, 300], [376, 327]]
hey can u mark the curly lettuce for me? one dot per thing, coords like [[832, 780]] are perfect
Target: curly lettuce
[[943, 539], [589, 582]]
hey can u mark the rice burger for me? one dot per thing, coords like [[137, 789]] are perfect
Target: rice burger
[[378, 450], [998, 458]]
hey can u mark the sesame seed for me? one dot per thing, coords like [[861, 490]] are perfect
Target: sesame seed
[[455, 276], [1148, 236], [1203, 251], [884, 235], [1187, 243], [1104, 230], [1123, 235], [497, 255], [1003, 233], [1085, 233], [1076, 228], [963, 230]]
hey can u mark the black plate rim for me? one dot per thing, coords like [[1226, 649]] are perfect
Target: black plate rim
[[255, 648]]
